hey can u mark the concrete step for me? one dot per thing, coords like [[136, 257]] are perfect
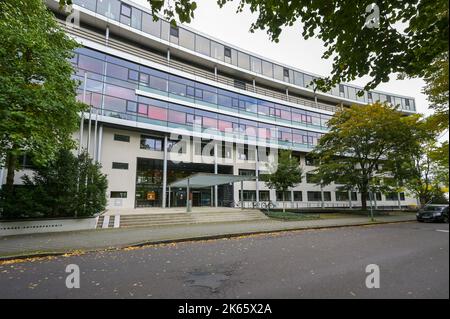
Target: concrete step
[[148, 220]]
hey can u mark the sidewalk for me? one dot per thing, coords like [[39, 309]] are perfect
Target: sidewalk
[[91, 240]]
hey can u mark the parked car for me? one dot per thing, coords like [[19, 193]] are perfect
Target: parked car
[[433, 213]]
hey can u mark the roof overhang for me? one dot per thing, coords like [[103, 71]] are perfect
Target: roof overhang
[[203, 180]]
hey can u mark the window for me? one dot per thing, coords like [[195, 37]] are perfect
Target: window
[[133, 75], [249, 196], [287, 196], [125, 14], [202, 45], [217, 51], [247, 172], [402, 196], [267, 69], [316, 196], [243, 60], [391, 196], [255, 64], [150, 26], [151, 143], [121, 138], [109, 8], [264, 196], [186, 39], [136, 18], [118, 165], [298, 196], [174, 31], [227, 52], [286, 73], [118, 194]]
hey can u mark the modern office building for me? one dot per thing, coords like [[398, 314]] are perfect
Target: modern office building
[[167, 102]]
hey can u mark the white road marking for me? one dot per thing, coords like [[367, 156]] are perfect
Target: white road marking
[[442, 230]]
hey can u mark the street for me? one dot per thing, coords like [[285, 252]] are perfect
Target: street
[[413, 260]]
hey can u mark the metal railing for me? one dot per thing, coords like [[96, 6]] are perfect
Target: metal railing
[[171, 63]]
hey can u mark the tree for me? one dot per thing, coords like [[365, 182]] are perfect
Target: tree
[[358, 42], [362, 141], [38, 108], [436, 79], [67, 186], [426, 177], [285, 174]]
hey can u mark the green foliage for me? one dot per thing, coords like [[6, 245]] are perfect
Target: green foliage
[[67, 186], [436, 79], [285, 174], [38, 108], [362, 147]]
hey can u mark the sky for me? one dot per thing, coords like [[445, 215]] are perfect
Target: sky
[[292, 49]]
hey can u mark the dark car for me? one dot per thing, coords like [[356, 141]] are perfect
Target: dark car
[[433, 213]]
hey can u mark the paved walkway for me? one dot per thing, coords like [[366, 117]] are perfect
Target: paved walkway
[[54, 243]]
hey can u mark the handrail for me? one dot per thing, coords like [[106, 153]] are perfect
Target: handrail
[[95, 37]]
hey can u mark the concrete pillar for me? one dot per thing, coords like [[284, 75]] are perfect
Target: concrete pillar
[[100, 143], [188, 197], [216, 171], [257, 176], [350, 205], [170, 189], [242, 194], [398, 201], [322, 200], [164, 195], [215, 72], [2, 174]]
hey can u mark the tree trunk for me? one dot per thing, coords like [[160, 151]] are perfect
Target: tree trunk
[[364, 200], [284, 208], [11, 167]]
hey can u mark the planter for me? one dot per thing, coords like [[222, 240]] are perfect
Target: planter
[[33, 226]]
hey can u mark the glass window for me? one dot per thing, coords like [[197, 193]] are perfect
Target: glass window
[[278, 72], [217, 51], [202, 45], [118, 165], [149, 26], [158, 83], [267, 69], [255, 64], [133, 75], [109, 8], [298, 196], [165, 30], [187, 39], [264, 196], [90, 64], [157, 113], [317, 196], [117, 71], [287, 196], [121, 138], [88, 4], [136, 17], [151, 143], [243, 60], [118, 194], [307, 81], [125, 14], [298, 79]]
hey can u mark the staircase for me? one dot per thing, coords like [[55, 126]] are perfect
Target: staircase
[[165, 219]]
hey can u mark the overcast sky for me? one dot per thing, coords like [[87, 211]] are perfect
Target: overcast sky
[[292, 49]]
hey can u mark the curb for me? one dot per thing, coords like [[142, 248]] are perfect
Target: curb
[[26, 256]]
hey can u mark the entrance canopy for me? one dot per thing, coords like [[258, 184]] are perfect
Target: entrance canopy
[[202, 180]]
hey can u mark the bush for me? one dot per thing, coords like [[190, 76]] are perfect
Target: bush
[[69, 186]]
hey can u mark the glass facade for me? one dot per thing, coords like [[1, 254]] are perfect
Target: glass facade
[[143, 21], [114, 93]]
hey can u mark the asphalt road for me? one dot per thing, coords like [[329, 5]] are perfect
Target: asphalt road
[[413, 260]]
